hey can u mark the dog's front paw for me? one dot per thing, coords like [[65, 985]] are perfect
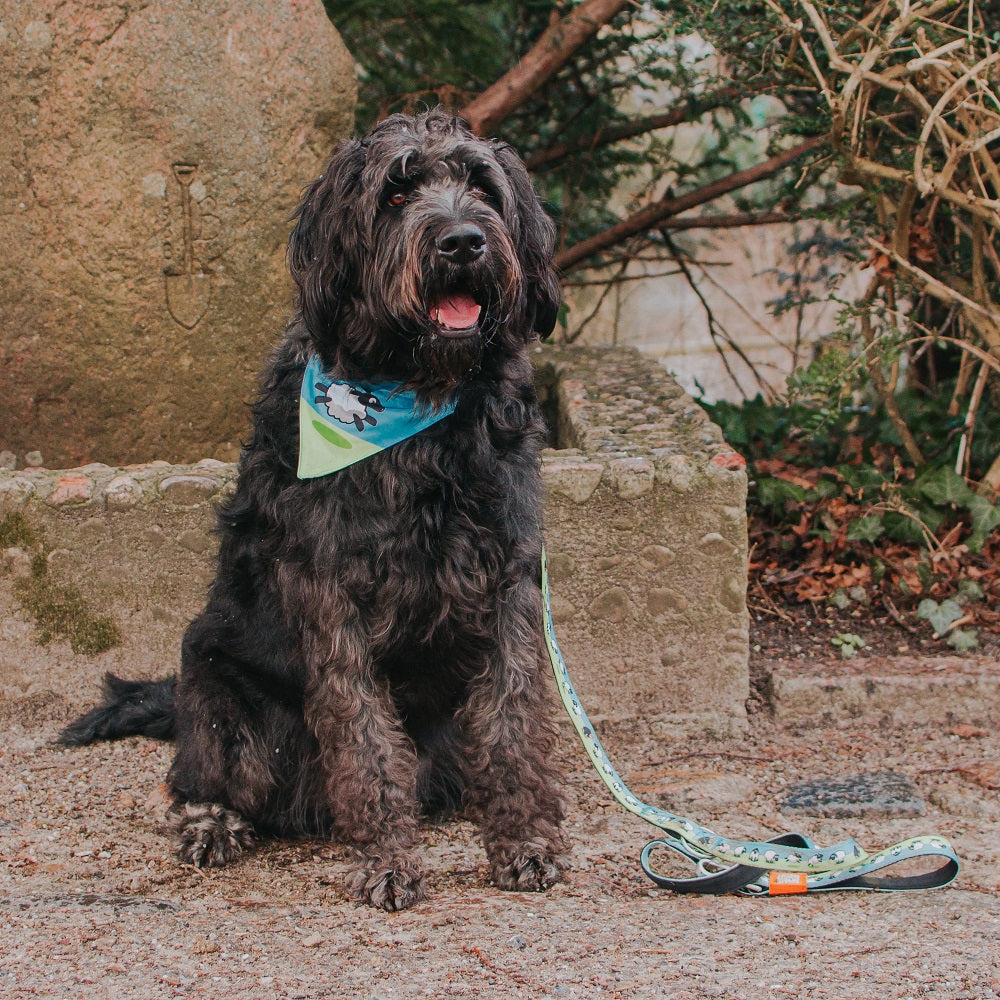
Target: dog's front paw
[[527, 868], [388, 886], [209, 835]]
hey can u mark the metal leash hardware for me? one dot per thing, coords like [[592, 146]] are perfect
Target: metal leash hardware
[[787, 864]]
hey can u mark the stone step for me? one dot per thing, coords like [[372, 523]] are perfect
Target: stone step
[[944, 690]]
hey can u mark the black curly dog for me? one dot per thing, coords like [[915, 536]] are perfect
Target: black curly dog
[[370, 650]]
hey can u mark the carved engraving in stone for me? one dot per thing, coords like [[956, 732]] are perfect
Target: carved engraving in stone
[[187, 277]]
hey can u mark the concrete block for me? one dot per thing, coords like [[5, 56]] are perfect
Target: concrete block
[[648, 564], [883, 793], [645, 528], [944, 690]]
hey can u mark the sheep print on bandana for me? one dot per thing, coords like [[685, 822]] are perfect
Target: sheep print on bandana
[[341, 423]]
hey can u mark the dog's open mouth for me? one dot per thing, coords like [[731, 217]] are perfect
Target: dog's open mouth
[[456, 315]]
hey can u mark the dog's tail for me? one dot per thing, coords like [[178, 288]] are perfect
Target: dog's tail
[[131, 708]]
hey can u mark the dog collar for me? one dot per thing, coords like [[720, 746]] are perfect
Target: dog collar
[[341, 423]]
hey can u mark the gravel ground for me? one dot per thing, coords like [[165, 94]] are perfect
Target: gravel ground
[[94, 904]]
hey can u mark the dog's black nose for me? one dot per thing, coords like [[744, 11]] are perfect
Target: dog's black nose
[[462, 244]]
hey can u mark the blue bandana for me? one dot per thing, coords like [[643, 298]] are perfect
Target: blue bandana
[[341, 423]]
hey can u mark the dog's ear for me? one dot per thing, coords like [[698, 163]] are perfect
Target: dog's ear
[[320, 249], [535, 245]]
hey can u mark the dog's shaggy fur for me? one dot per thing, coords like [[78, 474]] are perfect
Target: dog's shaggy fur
[[370, 649]]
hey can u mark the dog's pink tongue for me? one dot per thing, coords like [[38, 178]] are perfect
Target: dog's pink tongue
[[457, 312]]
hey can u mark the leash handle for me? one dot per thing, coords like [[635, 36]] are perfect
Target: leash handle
[[789, 863], [753, 881]]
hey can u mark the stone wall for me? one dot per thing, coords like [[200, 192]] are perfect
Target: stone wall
[[645, 525], [151, 155], [647, 541]]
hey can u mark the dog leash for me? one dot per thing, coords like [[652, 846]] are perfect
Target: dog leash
[[786, 864]]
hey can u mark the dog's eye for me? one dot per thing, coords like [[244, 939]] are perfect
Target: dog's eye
[[397, 199], [477, 192]]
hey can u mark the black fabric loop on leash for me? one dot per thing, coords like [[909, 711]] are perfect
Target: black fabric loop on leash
[[750, 880]]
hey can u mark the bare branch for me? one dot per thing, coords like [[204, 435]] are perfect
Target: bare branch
[[991, 481], [969, 427], [985, 321], [719, 336], [655, 214], [685, 112], [733, 220], [885, 390], [546, 57], [605, 292]]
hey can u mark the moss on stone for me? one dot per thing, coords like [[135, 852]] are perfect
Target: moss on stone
[[15, 531], [59, 612]]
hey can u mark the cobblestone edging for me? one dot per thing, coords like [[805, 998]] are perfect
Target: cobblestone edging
[[645, 526], [100, 487]]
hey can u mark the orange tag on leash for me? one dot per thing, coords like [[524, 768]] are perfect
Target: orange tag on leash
[[786, 883]]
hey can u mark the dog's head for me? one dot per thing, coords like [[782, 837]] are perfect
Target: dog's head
[[422, 251]]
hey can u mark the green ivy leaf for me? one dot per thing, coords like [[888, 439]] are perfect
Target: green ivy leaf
[[969, 591], [865, 529], [862, 477], [839, 599], [901, 528], [943, 486], [773, 492], [985, 517], [849, 643], [963, 640], [940, 615]]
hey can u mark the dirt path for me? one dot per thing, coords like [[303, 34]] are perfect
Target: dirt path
[[94, 905]]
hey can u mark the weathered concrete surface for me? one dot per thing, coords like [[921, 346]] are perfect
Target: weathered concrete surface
[[881, 793], [645, 528], [94, 905], [647, 540], [151, 154], [136, 542], [941, 690]]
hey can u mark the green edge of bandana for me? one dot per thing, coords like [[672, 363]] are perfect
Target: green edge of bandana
[[324, 448]]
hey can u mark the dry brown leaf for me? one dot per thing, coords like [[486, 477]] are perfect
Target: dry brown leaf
[[810, 589], [788, 473], [966, 732], [922, 244], [983, 774]]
